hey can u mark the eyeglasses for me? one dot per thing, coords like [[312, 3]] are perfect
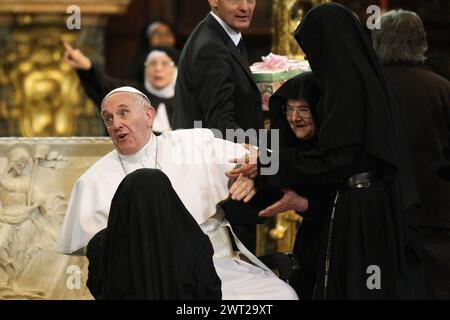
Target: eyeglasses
[[302, 111], [164, 64], [161, 34]]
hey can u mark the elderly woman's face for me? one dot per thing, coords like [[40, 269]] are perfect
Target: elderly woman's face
[[300, 119], [160, 71], [162, 36]]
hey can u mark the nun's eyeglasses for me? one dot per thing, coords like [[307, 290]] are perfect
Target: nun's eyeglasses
[[302, 111], [161, 34], [164, 64]]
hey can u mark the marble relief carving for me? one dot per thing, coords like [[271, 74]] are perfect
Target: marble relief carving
[[36, 178]]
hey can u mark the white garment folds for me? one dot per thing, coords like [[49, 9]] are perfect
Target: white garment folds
[[195, 162]]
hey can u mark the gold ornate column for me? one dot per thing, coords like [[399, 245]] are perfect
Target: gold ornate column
[[286, 15], [40, 95]]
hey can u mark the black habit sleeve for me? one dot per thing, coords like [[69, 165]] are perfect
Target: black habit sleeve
[[97, 84], [299, 169]]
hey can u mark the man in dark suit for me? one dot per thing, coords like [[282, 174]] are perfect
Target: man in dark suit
[[215, 86], [214, 83]]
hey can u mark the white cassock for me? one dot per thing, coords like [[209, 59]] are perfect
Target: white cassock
[[195, 162]]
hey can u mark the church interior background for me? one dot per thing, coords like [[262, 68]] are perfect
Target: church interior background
[[52, 132]]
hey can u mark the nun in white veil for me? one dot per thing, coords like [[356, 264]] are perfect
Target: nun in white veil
[[160, 77], [159, 85]]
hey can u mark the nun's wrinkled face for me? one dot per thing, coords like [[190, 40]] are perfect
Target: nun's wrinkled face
[[300, 118], [128, 119], [162, 36], [160, 71], [236, 13]]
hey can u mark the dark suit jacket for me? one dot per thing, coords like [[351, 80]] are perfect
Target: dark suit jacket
[[215, 86], [214, 83]]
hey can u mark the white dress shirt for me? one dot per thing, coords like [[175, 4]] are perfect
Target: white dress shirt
[[234, 35]]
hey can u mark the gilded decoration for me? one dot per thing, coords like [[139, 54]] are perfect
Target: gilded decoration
[[43, 94], [39, 94], [286, 16]]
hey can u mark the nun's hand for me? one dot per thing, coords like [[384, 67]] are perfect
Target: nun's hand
[[290, 201], [248, 167], [242, 189], [75, 58]]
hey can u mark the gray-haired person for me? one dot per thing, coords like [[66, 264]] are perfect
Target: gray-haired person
[[424, 102]]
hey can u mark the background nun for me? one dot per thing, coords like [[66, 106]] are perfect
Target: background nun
[[160, 69]]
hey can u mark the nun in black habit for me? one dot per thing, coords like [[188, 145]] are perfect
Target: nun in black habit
[[372, 249], [311, 237], [152, 247], [155, 33]]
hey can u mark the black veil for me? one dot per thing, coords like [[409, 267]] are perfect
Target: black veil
[[357, 106]]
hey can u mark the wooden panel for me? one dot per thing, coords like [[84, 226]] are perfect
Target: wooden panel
[[122, 31], [434, 14], [189, 13], [121, 38]]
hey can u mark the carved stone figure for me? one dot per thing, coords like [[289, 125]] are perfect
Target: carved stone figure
[[25, 227]]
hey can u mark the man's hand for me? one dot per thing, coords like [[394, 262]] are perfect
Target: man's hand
[[75, 58], [242, 188], [290, 201], [250, 168]]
